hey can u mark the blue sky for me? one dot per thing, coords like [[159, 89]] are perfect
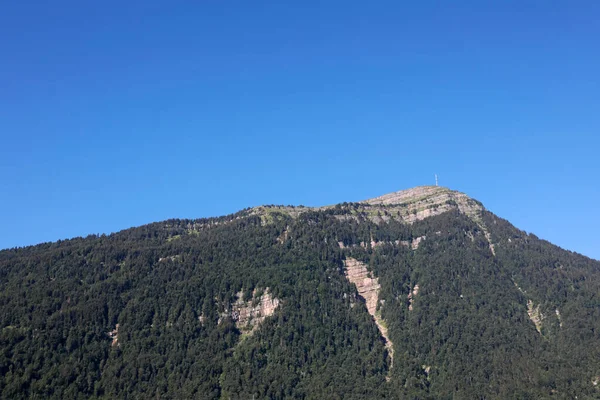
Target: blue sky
[[117, 114]]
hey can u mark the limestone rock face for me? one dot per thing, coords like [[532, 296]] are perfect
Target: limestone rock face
[[409, 195], [407, 206], [249, 314], [535, 315], [368, 288], [411, 297], [427, 201], [413, 244], [114, 335]]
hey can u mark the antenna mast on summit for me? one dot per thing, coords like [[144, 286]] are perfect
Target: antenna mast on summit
[[436, 182]]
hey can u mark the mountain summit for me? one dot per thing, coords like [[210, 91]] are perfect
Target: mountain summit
[[419, 193], [417, 294]]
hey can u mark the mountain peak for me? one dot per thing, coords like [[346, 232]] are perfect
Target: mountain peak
[[413, 195], [423, 202], [374, 294]]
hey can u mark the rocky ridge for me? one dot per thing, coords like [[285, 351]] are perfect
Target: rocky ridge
[[407, 206], [427, 201]]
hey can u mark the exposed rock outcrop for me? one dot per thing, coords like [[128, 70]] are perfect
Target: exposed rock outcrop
[[407, 206], [413, 244], [114, 335], [426, 201], [169, 258], [247, 315], [411, 296], [368, 288], [284, 235], [535, 315]]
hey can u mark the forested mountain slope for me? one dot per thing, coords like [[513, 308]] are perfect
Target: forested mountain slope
[[420, 294]]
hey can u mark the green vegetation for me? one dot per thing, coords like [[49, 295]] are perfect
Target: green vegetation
[[468, 335]]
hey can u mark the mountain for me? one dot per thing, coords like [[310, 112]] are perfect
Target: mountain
[[418, 294]]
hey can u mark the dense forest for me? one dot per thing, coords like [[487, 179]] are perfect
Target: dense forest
[[476, 309]]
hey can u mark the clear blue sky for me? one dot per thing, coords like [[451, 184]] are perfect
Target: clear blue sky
[[117, 114]]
